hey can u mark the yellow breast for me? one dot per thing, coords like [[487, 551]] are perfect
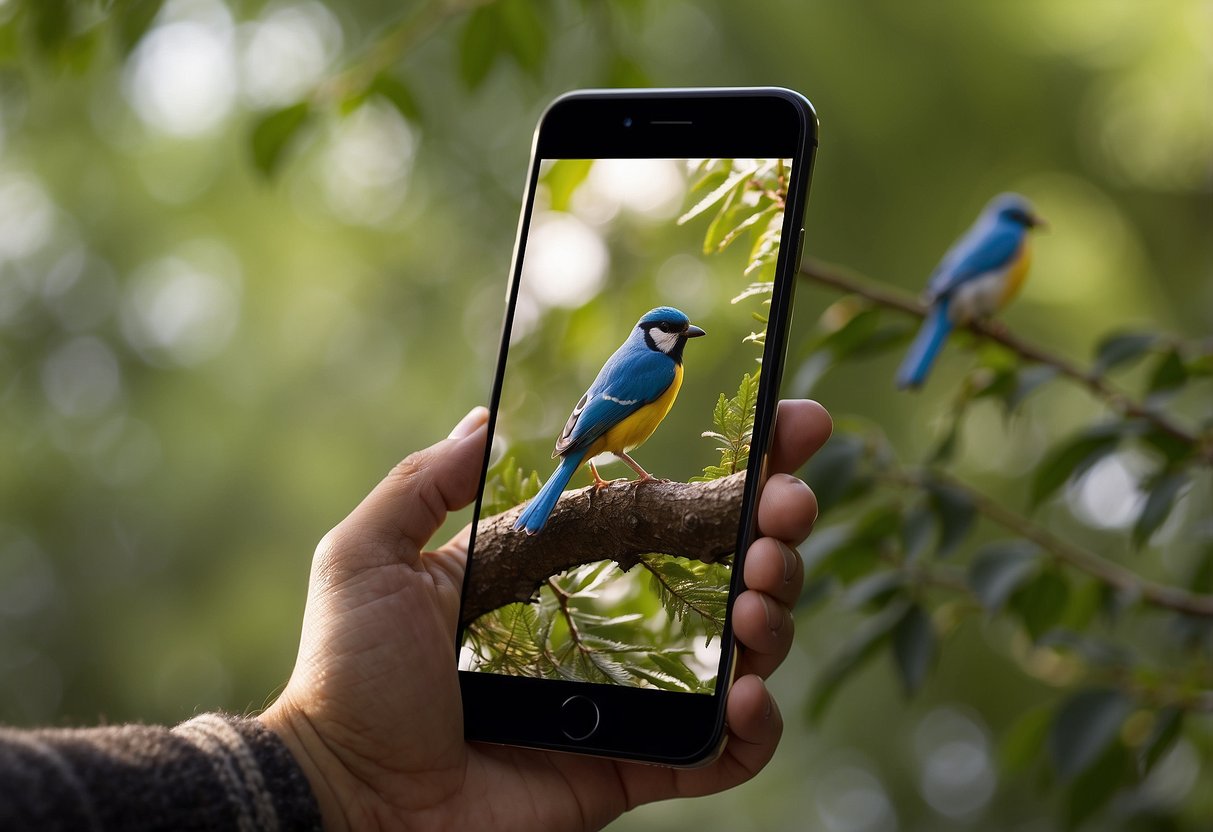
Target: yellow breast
[[635, 429], [1017, 273]]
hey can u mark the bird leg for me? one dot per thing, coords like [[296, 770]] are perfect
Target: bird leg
[[645, 476], [599, 482]]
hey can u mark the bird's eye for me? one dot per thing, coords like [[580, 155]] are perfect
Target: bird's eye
[[663, 326]]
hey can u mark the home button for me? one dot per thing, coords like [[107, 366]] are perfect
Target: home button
[[578, 717]]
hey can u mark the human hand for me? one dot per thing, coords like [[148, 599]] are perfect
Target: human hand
[[372, 710]]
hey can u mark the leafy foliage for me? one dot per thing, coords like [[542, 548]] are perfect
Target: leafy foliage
[[875, 549], [742, 197], [733, 419], [565, 634], [507, 485], [693, 593]]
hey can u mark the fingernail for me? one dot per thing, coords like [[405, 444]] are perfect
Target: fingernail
[[790, 558], [775, 614], [476, 417]]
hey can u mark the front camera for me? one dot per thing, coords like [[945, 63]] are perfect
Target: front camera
[[627, 121]]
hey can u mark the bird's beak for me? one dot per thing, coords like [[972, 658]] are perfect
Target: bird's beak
[[693, 332], [1038, 221]]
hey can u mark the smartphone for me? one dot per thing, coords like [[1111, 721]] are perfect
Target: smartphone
[[633, 405]]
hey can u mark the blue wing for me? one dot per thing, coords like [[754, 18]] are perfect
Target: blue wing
[[633, 377], [984, 249]]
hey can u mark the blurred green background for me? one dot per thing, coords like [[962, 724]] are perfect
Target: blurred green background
[[203, 367]]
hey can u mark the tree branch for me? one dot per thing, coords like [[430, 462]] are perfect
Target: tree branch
[[1105, 571], [1096, 383], [692, 520]]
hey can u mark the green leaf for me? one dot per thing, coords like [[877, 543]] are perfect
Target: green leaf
[[833, 471], [849, 338], [1085, 725], [563, 180], [945, 451], [398, 94], [1202, 575], [745, 225], [916, 526], [999, 569], [878, 525], [1168, 723], [479, 45], [1072, 459], [1024, 741], [875, 590], [1027, 382], [717, 194], [1173, 448], [274, 132], [625, 72], [730, 214], [858, 547], [132, 19], [1086, 600], [956, 514], [1168, 374], [914, 647], [765, 251], [1163, 493], [1092, 789], [859, 648], [1122, 348], [525, 34], [1001, 384], [1042, 602], [674, 666], [52, 22], [755, 290]]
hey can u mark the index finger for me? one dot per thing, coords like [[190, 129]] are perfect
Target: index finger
[[801, 428]]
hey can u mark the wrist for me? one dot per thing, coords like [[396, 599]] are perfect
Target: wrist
[[312, 756]]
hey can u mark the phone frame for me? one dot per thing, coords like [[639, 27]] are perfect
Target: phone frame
[[646, 724]]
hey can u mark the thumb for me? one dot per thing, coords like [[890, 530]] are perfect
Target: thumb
[[412, 501]]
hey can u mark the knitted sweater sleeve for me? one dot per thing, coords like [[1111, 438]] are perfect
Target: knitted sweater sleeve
[[213, 772]]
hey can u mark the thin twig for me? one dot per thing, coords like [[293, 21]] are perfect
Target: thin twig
[[563, 598], [1096, 383], [390, 48]]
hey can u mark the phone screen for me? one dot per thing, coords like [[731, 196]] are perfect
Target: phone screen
[[634, 348]]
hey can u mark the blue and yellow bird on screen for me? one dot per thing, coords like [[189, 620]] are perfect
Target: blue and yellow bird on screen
[[633, 392], [979, 275]]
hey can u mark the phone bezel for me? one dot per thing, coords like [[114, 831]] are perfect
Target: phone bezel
[[645, 724]]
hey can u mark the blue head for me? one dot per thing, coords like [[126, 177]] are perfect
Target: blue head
[[666, 329], [1012, 208]]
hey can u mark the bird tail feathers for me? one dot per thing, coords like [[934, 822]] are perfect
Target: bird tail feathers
[[541, 505], [927, 343]]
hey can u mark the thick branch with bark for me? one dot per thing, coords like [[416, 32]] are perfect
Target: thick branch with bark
[[621, 523]]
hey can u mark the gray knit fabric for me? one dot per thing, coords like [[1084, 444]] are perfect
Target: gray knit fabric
[[214, 772]]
